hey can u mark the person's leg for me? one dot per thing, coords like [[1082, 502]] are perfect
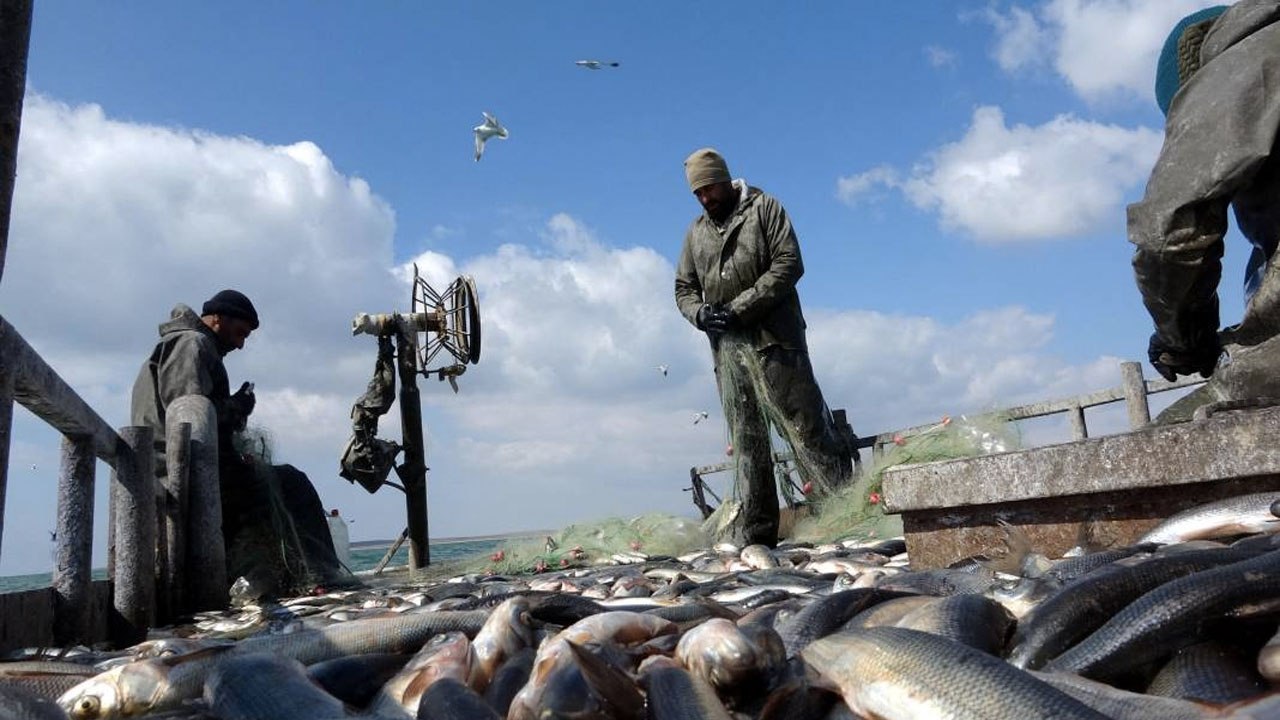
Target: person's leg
[[803, 418], [755, 488]]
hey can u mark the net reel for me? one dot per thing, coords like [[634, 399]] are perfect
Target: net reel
[[450, 320]]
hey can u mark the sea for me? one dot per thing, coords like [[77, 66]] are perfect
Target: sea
[[364, 556]]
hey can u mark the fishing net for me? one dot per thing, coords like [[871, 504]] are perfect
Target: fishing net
[[772, 404], [857, 511], [654, 534], [274, 543]]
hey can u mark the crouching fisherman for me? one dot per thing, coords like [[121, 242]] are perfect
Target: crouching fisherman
[[273, 522]]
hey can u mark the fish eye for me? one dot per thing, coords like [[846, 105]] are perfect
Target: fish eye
[[87, 706]]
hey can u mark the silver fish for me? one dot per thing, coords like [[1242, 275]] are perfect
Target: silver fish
[[901, 674], [267, 687], [1239, 515]]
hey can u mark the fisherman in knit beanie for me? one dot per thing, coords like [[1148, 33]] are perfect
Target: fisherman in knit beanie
[[736, 282], [255, 496], [1214, 84]]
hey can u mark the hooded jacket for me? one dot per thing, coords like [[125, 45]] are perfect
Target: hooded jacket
[[186, 361], [751, 264], [1220, 137]]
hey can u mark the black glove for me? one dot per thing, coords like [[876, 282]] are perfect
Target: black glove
[[1171, 363], [724, 318], [710, 319], [242, 404]]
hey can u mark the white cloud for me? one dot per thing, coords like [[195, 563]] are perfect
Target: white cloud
[[895, 371], [1020, 39], [940, 57], [566, 418], [1004, 183], [852, 188], [1101, 48]]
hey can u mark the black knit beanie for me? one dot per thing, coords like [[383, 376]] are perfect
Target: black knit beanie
[[233, 304]]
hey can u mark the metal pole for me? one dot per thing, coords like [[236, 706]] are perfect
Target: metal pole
[[173, 530], [72, 576], [1079, 431], [15, 38], [1135, 395], [133, 485], [206, 558], [413, 473]]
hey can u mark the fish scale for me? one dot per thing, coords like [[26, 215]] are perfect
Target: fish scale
[[1091, 600], [1170, 617], [161, 684], [896, 674]]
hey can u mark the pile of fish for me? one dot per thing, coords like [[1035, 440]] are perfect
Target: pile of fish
[[1181, 625]]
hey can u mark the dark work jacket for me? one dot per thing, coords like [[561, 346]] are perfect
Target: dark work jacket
[[751, 265], [186, 361], [1219, 151]]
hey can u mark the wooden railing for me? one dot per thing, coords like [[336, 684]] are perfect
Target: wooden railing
[[153, 572], [1133, 391]]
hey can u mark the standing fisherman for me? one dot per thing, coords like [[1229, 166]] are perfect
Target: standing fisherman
[[1215, 82], [736, 281]]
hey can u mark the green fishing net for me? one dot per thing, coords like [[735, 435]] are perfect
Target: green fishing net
[[857, 512], [589, 543]]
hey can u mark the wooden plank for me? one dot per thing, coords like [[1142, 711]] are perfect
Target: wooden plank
[[1225, 446], [938, 538], [15, 39], [42, 391], [26, 619], [71, 574]]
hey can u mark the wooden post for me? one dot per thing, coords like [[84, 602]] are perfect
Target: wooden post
[[391, 551], [413, 473], [72, 575], [133, 484], [1135, 395], [173, 530], [206, 556], [6, 428], [15, 39], [1079, 431]]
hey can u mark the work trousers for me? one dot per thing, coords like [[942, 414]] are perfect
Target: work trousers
[[773, 387]]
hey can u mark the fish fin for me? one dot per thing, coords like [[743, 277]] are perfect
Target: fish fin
[[608, 682], [201, 654], [1017, 548]]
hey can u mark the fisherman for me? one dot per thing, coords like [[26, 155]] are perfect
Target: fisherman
[[264, 507], [736, 281], [1214, 85]]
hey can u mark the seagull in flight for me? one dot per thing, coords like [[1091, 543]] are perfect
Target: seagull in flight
[[663, 369], [594, 64], [699, 417], [489, 129]]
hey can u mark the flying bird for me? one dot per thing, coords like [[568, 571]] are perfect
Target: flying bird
[[663, 369], [699, 417], [594, 64], [489, 129]]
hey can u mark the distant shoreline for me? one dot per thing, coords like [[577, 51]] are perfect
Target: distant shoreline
[[356, 544]]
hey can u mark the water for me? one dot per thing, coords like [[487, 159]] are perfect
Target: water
[[367, 558], [364, 558]]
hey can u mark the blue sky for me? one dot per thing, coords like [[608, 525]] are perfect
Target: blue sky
[[957, 173]]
